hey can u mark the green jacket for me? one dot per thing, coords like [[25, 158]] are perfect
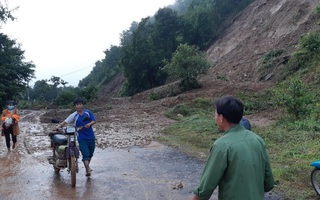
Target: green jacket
[[239, 164]]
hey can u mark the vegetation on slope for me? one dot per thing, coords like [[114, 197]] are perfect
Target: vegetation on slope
[[292, 140]]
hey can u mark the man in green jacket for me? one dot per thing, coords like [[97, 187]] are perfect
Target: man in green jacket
[[238, 162]]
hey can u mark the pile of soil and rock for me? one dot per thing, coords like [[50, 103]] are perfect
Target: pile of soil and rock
[[121, 123]]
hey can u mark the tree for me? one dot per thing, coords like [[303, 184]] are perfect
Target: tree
[[208, 17], [15, 73], [187, 63], [166, 30], [153, 41], [41, 91], [56, 81], [137, 60], [5, 14]]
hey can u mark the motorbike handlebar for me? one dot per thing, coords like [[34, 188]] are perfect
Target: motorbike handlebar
[[67, 129]]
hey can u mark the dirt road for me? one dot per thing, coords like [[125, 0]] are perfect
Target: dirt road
[[130, 172], [127, 164]]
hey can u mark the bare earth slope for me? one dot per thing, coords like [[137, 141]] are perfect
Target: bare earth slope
[[263, 26]]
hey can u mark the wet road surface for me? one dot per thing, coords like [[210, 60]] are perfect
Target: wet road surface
[[151, 172], [154, 172]]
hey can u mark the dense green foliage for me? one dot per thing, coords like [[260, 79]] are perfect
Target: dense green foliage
[[146, 44], [153, 41], [187, 63], [14, 70], [54, 92], [208, 17], [318, 9]]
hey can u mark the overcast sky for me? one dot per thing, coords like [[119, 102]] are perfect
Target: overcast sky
[[65, 38]]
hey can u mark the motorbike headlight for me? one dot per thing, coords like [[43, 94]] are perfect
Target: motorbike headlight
[[70, 129]]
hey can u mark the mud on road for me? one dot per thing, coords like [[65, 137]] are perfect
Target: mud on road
[[135, 168], [128, 163]]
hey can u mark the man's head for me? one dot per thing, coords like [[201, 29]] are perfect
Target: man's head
[[78, 104], [229, 110], [78, 101]]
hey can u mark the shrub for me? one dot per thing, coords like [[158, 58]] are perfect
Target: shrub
[[318, 9], [269, 56], [310, 42], [65, 98], [88, 92], [294, 97], [154, 96], [187, 63]]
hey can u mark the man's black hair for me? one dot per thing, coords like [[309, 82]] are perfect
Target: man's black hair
[[78, 100], [230, 108]]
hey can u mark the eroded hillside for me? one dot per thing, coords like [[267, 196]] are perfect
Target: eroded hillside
[[263, 26]]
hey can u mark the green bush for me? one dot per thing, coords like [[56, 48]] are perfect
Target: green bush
[[203, 103], [295, 98], [305, 58], [65, 98], [154, 96], [310, 42], [269, 56], [257, 101], [88, 93], [197, 106], [318, 9], [187, 63]]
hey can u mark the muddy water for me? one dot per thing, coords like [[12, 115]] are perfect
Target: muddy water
[[152, 172]]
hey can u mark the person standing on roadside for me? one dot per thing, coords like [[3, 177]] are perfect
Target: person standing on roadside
[[238, 162], [83, 119], [10, 126], [245, 122]]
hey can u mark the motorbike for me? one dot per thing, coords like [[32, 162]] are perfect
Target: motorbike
[[65, 151], [315, 176]]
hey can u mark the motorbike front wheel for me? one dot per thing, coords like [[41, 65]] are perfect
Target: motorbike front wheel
[[315, 179], [56, 169], [73, 170]]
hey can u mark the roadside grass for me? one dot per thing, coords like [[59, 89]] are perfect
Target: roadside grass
[[195, 129], [292, 146], [192, 135], [291, 152]]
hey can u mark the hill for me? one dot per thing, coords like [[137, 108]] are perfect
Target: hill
[[262, 27]]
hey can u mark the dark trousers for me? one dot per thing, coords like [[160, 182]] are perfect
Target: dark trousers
[[7, 132]]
